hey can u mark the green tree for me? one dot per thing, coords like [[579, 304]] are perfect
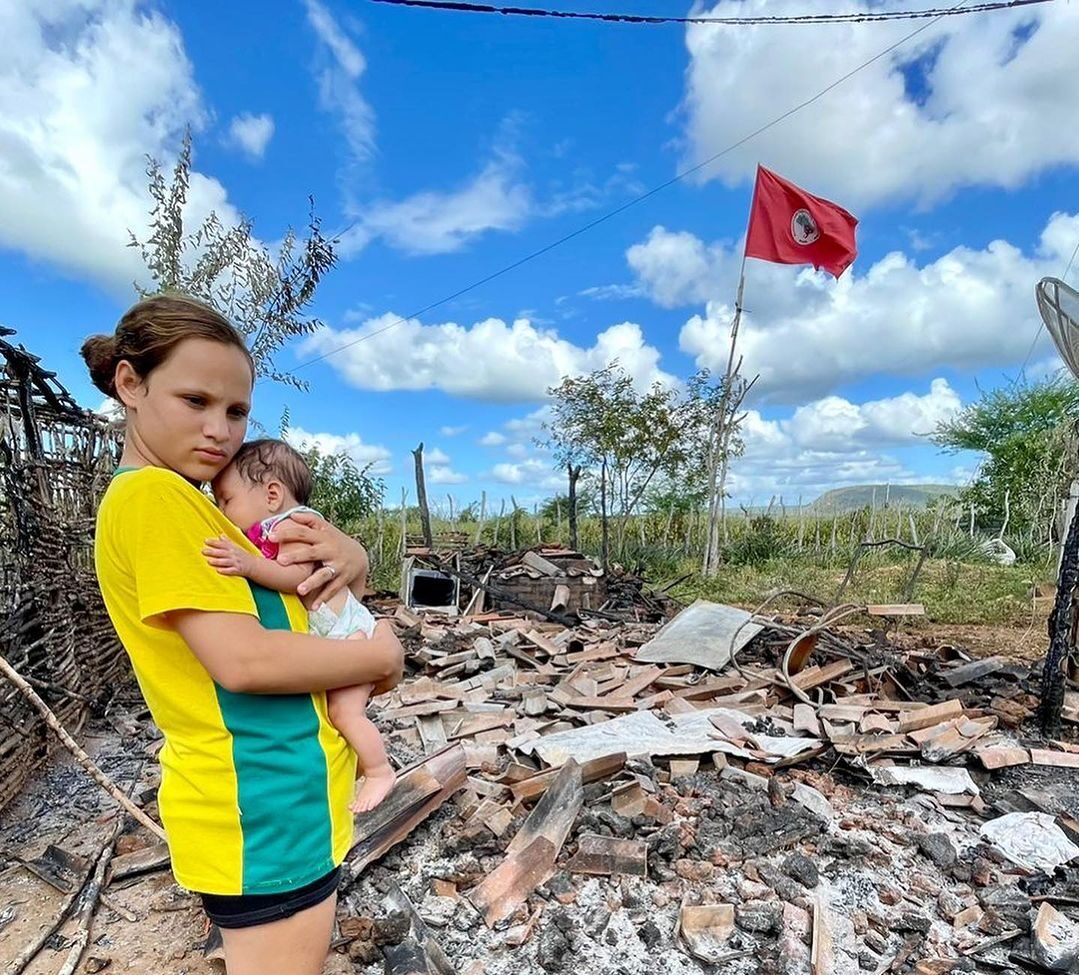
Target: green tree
[[629, 439], [267, 296], [345, 493], [1025, 434]]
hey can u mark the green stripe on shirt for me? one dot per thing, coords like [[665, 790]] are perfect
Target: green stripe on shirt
[[281, 777]]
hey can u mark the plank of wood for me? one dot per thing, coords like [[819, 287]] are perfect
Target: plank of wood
[[536, 561], [541, 642], [706, 688], [605, 855], [873, 745], [822, 957], [922, 735], [816, 676], [419, 791], [416, 710], [146, 860], [637, 683], [925, 717], [504, 889], [611, 704], [531, 854], [896, 609], [602, 652], [1043, 756], [1000, 756], [593, 771], [975, 670]]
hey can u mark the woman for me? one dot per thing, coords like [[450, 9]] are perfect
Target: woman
[[256, 782]]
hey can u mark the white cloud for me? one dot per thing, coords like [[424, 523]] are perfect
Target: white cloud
[[915, 124], [433, 222], [341, 65], [833, 423], [517, 450], [806, 334], [444, 474], [452, 431], [491, 360], [351, 444], [608, 292], [87, 90], [832, 442], [435, 456], [492, 439], [251, 133], [676, 268], [534, 472]]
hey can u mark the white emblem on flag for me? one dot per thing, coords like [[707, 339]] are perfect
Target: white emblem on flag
[[804, 228]]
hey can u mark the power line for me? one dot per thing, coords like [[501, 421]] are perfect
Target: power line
[[863, 17], [610, 214]]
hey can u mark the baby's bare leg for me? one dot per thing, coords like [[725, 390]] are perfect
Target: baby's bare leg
[[347, 707]]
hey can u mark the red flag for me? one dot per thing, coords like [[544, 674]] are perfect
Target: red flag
[[787, 225]]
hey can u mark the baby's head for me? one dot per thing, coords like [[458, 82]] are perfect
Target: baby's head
[[265, 478]]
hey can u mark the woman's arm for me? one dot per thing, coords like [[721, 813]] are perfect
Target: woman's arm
[[245, 658], [304, 537]]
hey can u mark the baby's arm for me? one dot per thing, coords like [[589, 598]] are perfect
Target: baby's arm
[[231, 560]]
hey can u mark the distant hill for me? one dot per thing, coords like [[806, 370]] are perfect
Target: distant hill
[[861, 495]]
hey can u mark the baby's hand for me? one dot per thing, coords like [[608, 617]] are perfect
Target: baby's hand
[[227, 557]]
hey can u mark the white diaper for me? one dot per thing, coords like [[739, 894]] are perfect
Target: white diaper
[[353, 618]]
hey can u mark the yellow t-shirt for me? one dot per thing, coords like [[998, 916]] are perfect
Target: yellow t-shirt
[[255, 788]]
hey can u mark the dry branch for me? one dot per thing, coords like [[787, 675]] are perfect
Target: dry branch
[[72, 746]]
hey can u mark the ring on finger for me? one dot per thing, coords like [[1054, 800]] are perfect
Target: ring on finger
[[333, 571]]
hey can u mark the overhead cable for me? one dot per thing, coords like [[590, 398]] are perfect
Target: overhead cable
[[857, 17], [592, 224]]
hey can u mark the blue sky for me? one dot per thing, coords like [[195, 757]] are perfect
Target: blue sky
[[452, 144]]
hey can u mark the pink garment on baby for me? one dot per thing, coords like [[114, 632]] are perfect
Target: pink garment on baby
[[259, 534]]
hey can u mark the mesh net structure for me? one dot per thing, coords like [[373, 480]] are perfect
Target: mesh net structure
[[1059, 306], [56, 459]]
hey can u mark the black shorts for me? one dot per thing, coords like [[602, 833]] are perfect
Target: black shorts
[[248, 910]]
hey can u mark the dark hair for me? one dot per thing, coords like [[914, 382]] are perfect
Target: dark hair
[[258, 460], [148, 333]]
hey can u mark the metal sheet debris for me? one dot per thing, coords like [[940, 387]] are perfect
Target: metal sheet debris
[[647, 733], [704, 634]]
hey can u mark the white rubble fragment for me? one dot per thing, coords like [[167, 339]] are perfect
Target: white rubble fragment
[[1031, 840], [950, 781]]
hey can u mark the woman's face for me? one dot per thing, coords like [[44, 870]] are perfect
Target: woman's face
[[190, 413]]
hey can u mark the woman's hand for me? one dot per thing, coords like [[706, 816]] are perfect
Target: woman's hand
[[305, 537], [227, 557]]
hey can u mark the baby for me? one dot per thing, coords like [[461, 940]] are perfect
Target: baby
[[266, 482]]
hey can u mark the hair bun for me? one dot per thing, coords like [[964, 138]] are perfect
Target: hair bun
[[99, 354]]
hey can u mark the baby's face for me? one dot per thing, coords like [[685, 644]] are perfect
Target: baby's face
[[243, 503]]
